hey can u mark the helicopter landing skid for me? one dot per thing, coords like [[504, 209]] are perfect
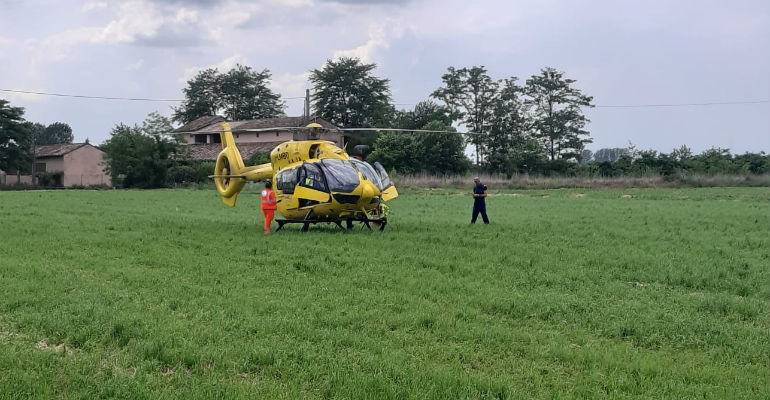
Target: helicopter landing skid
[[380, 223]]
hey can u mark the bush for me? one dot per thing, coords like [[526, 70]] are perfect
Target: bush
[[181, 174], [49, 179], [257, 159], [203, 170]]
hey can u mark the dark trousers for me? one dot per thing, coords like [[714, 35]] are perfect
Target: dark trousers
[[479, 208]]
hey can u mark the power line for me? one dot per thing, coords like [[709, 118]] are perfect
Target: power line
[[87, 97], [107, 97], [715, 103]]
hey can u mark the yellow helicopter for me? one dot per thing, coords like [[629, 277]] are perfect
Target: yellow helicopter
[[314, 180]]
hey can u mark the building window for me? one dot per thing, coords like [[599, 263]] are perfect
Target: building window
[[200, 139], [257, 134], [216, 139], [276, 134], [39, 167]]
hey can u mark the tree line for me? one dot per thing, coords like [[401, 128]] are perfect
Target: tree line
[[513, 127], [629, 161], [538, 127]]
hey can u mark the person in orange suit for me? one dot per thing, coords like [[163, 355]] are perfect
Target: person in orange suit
[[268, 204]]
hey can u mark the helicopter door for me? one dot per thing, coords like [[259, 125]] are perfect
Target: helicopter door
[[390, 191], [286, 182], [311, 188]]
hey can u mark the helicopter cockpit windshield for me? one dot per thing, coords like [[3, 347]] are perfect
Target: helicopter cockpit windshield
[[340, 175], [383, 174], [368, 172]]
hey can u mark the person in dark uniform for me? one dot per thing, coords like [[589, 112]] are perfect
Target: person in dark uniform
[[479, 201]]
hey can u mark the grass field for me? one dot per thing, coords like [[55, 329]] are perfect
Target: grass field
[[634, 293]]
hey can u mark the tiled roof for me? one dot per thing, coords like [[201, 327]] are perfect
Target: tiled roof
[[56, 150], [209, 152], [200, 123], [213, 123]]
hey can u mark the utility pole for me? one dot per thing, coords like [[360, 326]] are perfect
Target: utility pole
[[34, 151], [307, 105]]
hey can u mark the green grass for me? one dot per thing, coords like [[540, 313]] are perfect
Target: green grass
[[567, 294]]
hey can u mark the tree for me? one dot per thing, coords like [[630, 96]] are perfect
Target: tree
[[681, 153], [239, 94], [15, 138], [470, 95], [609, 155], [346, 94], [558, 118], [507, 135], [435, 153], [56, 133], [441, 153], [586, 156], [245, 95], [423, 114], [155, 125], [259, 157], [201, 97], [755, 163], [134, 158], [36, 130], [397, 150]]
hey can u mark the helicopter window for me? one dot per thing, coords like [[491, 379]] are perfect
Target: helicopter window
[[313, 153], [383, 174], [311, 177], [368, 172], [340, 175], [286, 180]]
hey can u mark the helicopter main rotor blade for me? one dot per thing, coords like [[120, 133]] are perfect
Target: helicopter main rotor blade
[[228, 176], [276, 129], [325, 130], [403, 130]]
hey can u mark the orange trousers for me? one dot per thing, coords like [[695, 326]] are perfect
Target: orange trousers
[[269, 214]]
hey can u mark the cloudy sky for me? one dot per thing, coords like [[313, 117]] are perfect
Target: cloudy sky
[[620, 52]]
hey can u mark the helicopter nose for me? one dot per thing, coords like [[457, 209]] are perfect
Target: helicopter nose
[[367, 193]]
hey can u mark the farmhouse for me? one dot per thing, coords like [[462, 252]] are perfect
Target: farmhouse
[[65, 164], [204, 143]]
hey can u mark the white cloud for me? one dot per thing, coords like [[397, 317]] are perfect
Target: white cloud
[[93, 5], [145, 23], [293, 3], [223, 66], [137, 22], [291, 85], [57, 47], [135, 66], [379, 39], [5, 42], [137, 19]]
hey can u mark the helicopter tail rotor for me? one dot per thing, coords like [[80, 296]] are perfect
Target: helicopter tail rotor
[[229, 163], [230, 174]]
